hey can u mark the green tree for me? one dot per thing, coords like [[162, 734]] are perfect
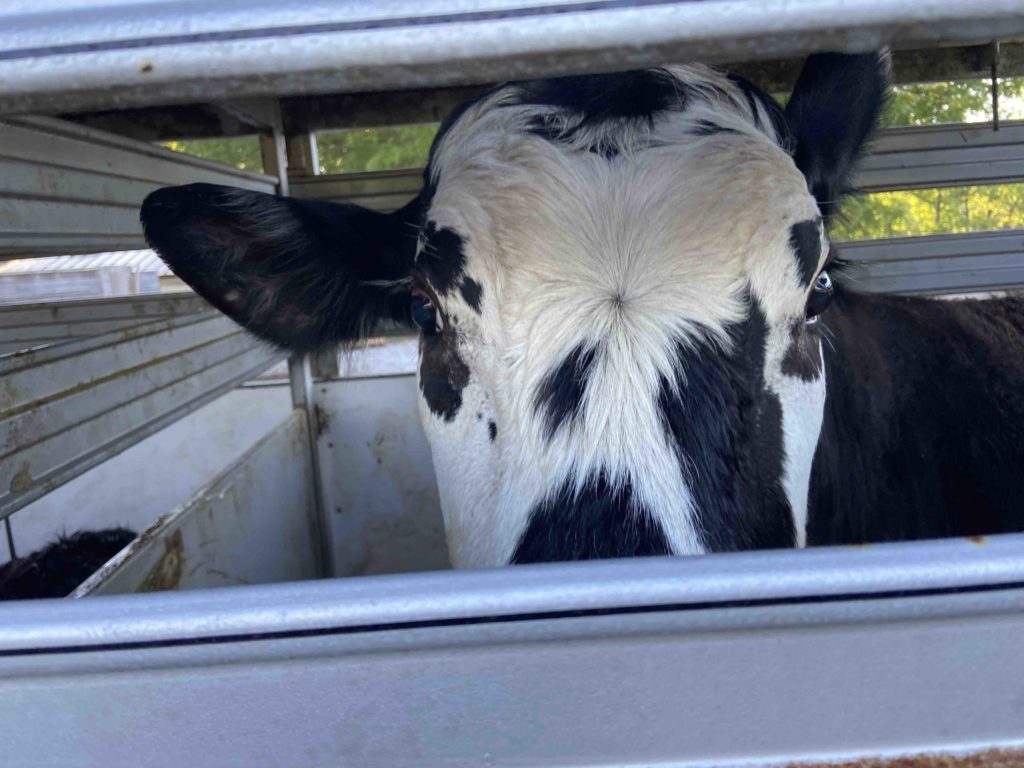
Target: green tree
[[937, 211], [242, 152], [375, 149]]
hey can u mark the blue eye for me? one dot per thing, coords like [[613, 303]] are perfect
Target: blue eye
[[821, 296], [424, 314]]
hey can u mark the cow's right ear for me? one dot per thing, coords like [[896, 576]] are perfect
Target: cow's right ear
[[302, 274]]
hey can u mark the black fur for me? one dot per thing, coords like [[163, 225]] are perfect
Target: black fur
[[637, 95], [560, 395], [58, 568], [443, 373], [472, 292], [805, 240], [923, 433], [835, 106], [727, 426], [708, 128], [755, 96], [282, 267], [442, 259], [803, 358], [600, 522]]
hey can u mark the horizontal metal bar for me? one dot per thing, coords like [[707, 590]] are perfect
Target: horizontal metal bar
[[55, 57], [135, 308], [252, 524], [985, 261], [65, 408], [64, 187], [943, 156], [524, 591]]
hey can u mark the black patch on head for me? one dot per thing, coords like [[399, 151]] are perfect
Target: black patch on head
[[803, 358], [639, 94], [725, 424], [600, 522], [560, 395], [755, 96], [443, 373], [805, 240], [492, 430], [708, 128], [442, 259], [472, 292]]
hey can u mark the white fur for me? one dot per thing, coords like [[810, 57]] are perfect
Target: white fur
[[657, 245]]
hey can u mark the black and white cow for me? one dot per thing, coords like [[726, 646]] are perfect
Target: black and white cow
[[633, 340]]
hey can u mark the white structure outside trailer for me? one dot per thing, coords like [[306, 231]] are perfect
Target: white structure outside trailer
[[888, 653]]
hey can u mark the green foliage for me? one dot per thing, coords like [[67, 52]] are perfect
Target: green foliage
[[938, 211], [375, 149], [919, 212], [242, 152]]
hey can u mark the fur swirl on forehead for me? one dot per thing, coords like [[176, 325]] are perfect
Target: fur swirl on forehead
[[616, 242]]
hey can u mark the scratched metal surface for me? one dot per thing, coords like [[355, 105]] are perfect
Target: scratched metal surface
[[56, 55]]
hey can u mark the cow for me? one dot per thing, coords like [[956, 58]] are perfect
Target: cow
[[58, 568], [635, 336]]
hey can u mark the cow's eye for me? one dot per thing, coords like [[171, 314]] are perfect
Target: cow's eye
[[424, 313], [820, 298]]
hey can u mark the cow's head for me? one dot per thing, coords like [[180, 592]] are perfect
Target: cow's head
[[617, 280]]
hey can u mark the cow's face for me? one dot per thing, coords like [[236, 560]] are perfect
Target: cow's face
[[619, 283]]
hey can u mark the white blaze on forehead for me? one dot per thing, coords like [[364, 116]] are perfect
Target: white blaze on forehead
[[628, 255]]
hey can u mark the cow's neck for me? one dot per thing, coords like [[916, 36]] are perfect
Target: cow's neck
[[923, 434]]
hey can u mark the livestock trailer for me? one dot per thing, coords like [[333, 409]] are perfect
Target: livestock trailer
[[288, 600]]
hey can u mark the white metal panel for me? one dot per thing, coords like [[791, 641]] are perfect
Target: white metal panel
[[943, 156], [66, 407], [377, 190], [65, 188], [380, 494], [984, 261], [56, 56], [745, 659], [254, 524], [152, 477]]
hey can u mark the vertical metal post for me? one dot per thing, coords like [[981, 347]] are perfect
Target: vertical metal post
[[274, 148], [995, 85], [303, 156], [10, 538], [301, 377]]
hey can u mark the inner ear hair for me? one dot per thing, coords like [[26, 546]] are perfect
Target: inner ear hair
[[302, 274]]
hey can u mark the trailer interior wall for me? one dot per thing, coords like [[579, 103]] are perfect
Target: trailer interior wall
[[736, 659]]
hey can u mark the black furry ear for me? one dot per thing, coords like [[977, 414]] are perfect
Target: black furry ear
[[303, 274], [835, 107]]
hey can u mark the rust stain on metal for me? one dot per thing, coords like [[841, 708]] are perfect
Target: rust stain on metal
[[989, 758], [146, 67], [22, 481], [166, 574], [323, 420], [978, 539]]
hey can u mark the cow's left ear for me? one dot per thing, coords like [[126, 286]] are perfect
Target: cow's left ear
[[835, 107], [300, 273]]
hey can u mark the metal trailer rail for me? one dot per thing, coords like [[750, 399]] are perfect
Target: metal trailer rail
[[804, 658], [60, 56]]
